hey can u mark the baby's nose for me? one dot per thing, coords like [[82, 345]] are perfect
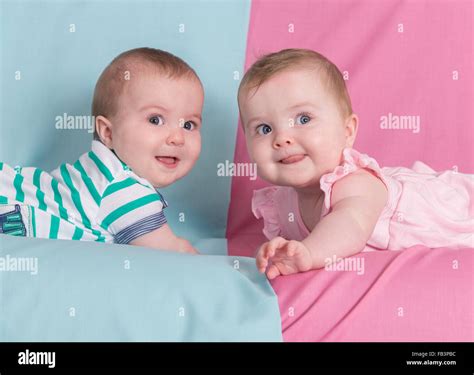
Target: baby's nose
[[176, 137], [282, 142]]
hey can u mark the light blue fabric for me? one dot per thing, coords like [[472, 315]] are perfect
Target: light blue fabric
[[59, 68], [87, 291]]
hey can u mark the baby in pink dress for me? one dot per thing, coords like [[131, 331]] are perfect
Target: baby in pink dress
[[330, 200]]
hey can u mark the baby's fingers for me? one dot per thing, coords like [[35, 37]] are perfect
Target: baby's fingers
[[262, 262], [262, 257], [273, 245], [291, 248], [273, 272]]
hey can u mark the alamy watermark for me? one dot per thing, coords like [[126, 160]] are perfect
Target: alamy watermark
[[396, 122], [69, 122], [229, 169], [19, 264], [37, 358], [355, 264]]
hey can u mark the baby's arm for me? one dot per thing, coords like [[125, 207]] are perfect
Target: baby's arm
[[163, 238], [357, 202]]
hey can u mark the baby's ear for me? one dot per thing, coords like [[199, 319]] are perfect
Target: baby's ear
[[103, 128], [350, 127]]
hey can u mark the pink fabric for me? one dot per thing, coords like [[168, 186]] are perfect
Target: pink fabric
[[424, 207], [426, 71], [417, 294]]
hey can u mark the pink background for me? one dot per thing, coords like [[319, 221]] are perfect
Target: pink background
[[409, 73]]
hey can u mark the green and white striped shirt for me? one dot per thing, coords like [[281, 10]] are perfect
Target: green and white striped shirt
[[98, 198]]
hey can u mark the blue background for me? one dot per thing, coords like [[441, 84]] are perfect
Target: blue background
[[59, 70]]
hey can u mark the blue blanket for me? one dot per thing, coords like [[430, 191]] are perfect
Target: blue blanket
[[55, 290]]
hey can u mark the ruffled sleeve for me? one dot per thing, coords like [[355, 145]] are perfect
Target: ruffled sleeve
[[264, 206], [352, 161]]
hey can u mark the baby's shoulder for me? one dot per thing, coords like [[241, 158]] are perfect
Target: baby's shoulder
[[363, 183]]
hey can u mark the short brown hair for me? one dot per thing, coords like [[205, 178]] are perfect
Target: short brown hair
[[269, 65], [113, 80]]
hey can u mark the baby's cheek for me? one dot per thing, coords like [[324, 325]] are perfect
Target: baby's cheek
[[258, 153], [195, 152], [267, 172]]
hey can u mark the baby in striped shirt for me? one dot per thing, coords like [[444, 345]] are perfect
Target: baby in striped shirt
[[147, 107]]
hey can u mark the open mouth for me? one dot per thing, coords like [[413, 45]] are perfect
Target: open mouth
[[168, 161], [293, 159]]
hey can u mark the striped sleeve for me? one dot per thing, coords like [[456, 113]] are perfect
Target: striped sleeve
[[129, 210]]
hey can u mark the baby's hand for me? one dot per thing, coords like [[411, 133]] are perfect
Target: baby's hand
[[163, 238], [184, 246], [283, 257]]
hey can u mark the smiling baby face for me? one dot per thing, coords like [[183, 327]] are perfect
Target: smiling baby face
[[294, 127], [148, 106], [156, 131]]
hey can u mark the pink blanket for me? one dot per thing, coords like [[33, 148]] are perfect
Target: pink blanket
[[418, 294]]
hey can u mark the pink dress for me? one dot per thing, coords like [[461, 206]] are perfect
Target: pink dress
[[424, 207]]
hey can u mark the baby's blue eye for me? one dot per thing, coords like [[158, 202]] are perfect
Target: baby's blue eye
[[303, 119], [264, 129], [189, 125], [156, 120]]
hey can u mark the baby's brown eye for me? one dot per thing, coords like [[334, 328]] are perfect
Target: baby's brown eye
[[156, 120]]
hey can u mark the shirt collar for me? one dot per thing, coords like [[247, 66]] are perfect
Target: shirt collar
[[113, 162], [108, 157]]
